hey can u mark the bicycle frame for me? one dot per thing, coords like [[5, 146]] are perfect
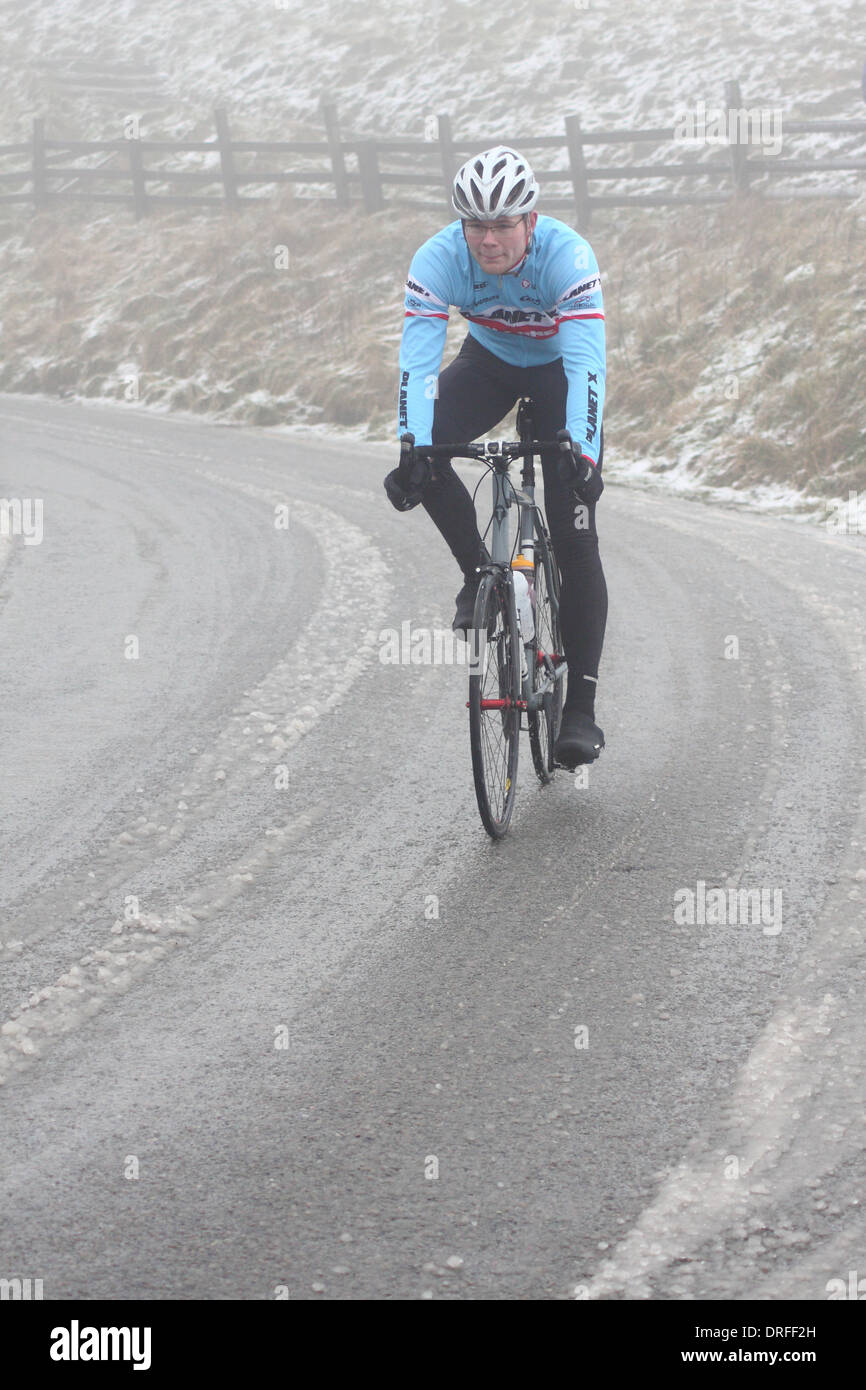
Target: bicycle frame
[[497, 456], [507, 674], [506, 495]]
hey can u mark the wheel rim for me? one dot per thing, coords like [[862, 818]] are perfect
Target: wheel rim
[[495, 729], [544, 724]]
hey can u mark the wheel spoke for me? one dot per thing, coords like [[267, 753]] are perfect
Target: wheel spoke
[[494, 733], [544, 722]]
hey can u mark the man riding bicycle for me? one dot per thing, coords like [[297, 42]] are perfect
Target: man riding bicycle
[[530, 287]]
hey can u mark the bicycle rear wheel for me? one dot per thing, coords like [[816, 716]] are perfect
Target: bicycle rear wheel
[[544, 723], [494, 714]]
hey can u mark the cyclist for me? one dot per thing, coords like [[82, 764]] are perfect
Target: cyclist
[[529, 286]]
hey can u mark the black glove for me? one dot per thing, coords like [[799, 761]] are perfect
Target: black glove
[[578, 472], [408, 480]]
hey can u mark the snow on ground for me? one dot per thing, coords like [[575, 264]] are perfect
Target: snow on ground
[[389, 68]]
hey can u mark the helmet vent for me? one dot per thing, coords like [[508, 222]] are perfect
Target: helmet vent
[[492, 182]]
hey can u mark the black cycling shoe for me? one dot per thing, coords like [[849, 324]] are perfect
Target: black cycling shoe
[[579, 741], [466, 606], [467, 596]]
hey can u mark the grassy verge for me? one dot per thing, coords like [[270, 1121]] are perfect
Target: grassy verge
[[737, 336]]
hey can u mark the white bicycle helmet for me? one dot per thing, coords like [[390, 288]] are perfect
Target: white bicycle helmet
[[496, 183]]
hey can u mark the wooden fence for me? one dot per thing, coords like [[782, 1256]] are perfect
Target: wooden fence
[[357, 171]]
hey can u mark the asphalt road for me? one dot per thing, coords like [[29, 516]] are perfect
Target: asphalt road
[[277, 1017]]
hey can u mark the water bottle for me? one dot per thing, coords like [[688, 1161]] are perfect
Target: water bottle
[[524, 605]]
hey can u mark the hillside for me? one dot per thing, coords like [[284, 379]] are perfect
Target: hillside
[[387, 64], [736, 334]]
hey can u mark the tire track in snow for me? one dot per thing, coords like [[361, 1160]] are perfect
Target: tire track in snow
[[312, 680], [794, 1105]]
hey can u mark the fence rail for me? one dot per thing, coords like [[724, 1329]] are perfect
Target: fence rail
[[360, 169]]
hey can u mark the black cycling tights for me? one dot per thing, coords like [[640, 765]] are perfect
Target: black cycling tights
[[476, 391]]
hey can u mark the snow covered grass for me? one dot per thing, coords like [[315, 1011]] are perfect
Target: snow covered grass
[[737, 339], [735, 333], [738, 342], [247, 317], [391, 62]]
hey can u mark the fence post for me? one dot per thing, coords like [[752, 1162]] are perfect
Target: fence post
[[739, 159], [574, 141], [39, 189], [136, 168], [446, 151], [227, 163], [371, 182], [338, 164]]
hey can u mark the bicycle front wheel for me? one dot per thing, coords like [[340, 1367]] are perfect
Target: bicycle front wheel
[[544, 723], [494, 712]]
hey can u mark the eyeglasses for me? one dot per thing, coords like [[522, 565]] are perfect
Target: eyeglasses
[[478, 229]]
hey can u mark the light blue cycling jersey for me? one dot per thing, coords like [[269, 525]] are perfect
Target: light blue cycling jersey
[[548, 306]]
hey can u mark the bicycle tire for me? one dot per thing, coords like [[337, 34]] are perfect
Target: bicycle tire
[[494, 734], [544, 723]]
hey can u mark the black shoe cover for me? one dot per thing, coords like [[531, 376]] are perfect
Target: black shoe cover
[[579, 741], [466, 606]]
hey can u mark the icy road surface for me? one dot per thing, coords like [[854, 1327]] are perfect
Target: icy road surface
[[276, 1016]]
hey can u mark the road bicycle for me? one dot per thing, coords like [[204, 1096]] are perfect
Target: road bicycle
[[516, 661]]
